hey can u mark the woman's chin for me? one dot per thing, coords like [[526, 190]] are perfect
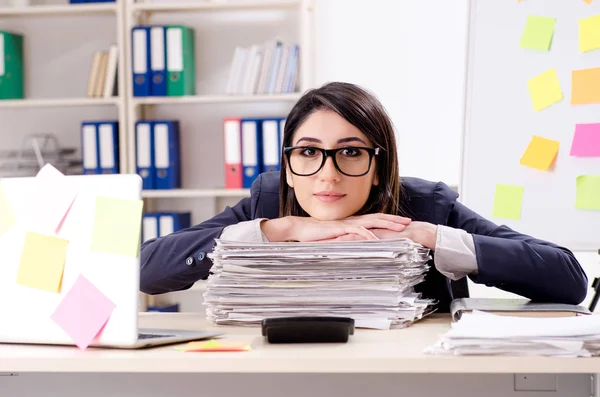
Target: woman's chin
[[329, 214]]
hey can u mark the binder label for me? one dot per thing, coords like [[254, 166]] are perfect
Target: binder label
[[143, 147], [139, 48], [232, 142], [90, 161], [107, 146], [2, 55], [161, 146], [175, 49]]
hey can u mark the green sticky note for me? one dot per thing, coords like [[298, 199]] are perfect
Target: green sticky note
[[588, 192], [117, 226], [508, 201], [538, 33], [7, 216]]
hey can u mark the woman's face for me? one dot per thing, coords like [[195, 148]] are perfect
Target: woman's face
[[329, 194]]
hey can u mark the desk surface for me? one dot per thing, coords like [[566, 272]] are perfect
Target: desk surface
[[368, 351]]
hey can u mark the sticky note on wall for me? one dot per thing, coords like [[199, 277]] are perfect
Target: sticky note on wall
[[586, 140], [42, 262], [508, 201], [540, 153], [544, 90], [538, 32], [588, 192], [585, 86], [589, 33]]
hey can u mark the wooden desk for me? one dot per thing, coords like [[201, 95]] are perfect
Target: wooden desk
[[368, 351]]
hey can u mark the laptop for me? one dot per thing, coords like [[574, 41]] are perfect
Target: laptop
[[66, 262]]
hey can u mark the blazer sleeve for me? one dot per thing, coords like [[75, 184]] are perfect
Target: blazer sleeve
[[536, 269], [177, 261]]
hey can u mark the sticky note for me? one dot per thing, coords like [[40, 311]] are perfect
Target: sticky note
[[117, 226], [215, 346], [42, 262], [585, 86], [544, 89], [587, 1], [52, 199], [587, 192], [586, 140], [508, 201], [538, 33], [7, 216], [589, 33], [540, 153], [83, 312]]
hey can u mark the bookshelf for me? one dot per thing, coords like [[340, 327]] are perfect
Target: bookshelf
[[60, 10]]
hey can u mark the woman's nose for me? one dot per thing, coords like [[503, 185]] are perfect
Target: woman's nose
[[329, 172]]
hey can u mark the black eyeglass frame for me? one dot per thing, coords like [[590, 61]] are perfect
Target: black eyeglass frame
[[330, 153]]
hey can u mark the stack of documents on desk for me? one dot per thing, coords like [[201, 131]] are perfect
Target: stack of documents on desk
[[490, 334], [369, 281]]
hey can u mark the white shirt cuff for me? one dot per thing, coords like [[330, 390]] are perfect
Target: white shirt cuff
[[247, 231], [454, 255]]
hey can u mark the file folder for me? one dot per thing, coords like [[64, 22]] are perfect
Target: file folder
[[108, 144], [144, 143], [171, 222], [251, 151], [166, 154], [149, 226], [89, 148], [181, 63], [140, 39], [11, 66], [271, 144], [232, 143], [158, 58]]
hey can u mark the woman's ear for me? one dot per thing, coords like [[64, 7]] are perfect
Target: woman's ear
[[289, 178]]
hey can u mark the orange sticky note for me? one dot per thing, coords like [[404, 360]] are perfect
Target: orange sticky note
[[215, 346], [544, 89], [585, 86], [587, 1], [540, 153], [42, 262]]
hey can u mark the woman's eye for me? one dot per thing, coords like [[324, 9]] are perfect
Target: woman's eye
[[351, 152], [309, 152]]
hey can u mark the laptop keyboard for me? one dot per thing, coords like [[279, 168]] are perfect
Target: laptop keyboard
[[150, 336]]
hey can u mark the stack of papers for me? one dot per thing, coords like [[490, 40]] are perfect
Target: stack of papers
[[490, 334], [369, 281]]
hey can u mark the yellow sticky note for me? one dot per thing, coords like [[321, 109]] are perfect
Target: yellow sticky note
[[540, 153], [545, 89], [42, 262], [588, 192], [508, 201], [585, 86], [7, 216], [538, 32], [589, 33], [117, 226]]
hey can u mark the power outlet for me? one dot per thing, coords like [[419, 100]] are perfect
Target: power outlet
[[535, 382]]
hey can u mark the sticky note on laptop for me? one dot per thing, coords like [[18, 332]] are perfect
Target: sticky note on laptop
[[540, 153], [52, 199], [7, 216], [117, 226], [83, 312], [586, 140], [538, 33], [587, 192], [42, 262], [508, 201], [544, 89]]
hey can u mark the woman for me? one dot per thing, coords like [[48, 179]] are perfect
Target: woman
[[339, 181]]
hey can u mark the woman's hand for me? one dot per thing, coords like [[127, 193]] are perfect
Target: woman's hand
[[308, 229], [423, 233]]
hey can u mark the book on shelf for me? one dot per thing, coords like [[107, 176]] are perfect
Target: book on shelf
[[268, 68], [103, 78]]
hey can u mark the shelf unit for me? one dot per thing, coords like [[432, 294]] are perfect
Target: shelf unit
[[195, 193], [115, 10]]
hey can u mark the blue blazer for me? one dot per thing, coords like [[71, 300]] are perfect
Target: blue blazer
[[514, 262]]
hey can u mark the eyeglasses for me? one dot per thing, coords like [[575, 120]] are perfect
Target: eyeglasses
[[349, 160]]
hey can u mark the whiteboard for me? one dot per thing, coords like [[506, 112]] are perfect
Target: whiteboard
[[500, 119]]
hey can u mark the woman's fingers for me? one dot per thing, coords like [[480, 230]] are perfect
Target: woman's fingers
[[380, 222], [361, 231]]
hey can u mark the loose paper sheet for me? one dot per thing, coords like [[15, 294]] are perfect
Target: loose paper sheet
[[42, 262], [586, 140], [585, 86], [117, 226], [508, 201], [83, 312], [589, 33], [588, 192], [540, 153], [545, 89], [538, 33]]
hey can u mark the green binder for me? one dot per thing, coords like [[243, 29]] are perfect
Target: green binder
[[11, 65], [181, 63]]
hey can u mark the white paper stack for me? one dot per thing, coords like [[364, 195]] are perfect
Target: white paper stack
[[369, 281], [490, 334]]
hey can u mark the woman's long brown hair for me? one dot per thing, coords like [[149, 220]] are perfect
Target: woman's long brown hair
[[364, 111]]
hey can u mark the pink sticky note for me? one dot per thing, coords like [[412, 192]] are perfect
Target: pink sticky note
[[586, 141], [53, 198], [83, 312]]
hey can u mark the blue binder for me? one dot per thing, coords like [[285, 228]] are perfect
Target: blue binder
[[158, 60], [144, 149], [171, 222], [90, 153], [108, 146], [166, 154], [140, 56], [271, 143], [251, 151], [149, 226]]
